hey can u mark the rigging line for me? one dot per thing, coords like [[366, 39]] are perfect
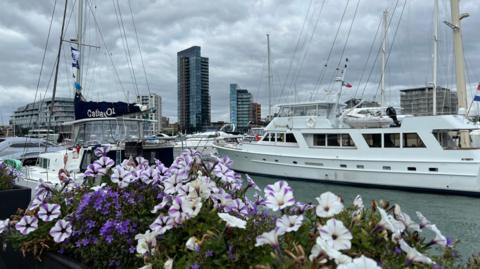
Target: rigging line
[[106, 49], [307, 49], [139, 49], [128, 48], [393, 40], [340, 60], [378, 53], [368, 58], [324, 69], [43, 61], [296, 48]]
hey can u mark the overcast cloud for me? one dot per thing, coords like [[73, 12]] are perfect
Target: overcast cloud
[[232, 35]]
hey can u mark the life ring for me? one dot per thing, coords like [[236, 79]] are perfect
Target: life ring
[[310, 122]]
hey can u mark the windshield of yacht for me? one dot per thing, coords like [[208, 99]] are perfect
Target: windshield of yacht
[[107, 131], [303, 110], [458, 139]]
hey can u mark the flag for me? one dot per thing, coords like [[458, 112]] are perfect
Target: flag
[[75, 57], [477, 93], [346, 84]]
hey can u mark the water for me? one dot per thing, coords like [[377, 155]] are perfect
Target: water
[[457, 217]]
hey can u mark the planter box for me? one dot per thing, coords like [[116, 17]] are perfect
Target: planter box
[[14, 259], [11, 200]]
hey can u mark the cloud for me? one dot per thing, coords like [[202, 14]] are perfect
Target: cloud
[[232, 35]]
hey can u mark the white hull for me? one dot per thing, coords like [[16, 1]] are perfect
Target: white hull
[[462, 178]]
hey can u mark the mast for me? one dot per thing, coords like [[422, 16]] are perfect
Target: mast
[[435, 56], [459, 58], [269, 78], [78, 75], [56, 74], [384, 49]]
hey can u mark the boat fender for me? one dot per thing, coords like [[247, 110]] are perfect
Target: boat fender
[[310, 122]]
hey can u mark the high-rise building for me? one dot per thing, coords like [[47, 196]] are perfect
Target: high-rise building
[[419, 101], [240, 107], [36, 115], [256, 115], [154, 104], [193, 90]]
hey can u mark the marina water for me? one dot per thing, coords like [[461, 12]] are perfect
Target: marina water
[[458, 217]]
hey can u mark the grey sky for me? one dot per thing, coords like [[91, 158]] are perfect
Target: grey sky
[[232, 35]]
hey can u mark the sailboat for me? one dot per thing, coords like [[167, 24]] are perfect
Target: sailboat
[[421, 153], [96, 124]]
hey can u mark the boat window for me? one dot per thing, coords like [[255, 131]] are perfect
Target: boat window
[[458, 139], [25, 145], [412, 140], [272, 137], [299, 111], [280, 137], [391, 140], [266, 137], [347, 141], [319, 140], [290, 138], [44, 163], [333, 140], [373, 140]]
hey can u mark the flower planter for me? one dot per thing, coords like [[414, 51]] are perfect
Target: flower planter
[[11, 200], [14, 259]]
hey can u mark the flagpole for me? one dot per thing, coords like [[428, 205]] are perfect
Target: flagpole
[[56, 75]]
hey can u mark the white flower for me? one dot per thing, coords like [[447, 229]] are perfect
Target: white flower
[[413, 255], [267, 238], [279, 195], [61, 231], [99, 187], [405, 219], [358, 202], [195, 205], [287, 224], [146, 266], [336, 235], [328, 205], [233, 221], [172, 184], [193, 244], [49, 212], [4, 225], [168, 264], [323, 246], [360, 263], [424, 222], [316, 250], [181, 209], [27, 224], [390, 223], [439, 238], [146, 242]]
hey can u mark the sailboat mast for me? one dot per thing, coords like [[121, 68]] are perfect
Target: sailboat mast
[[384, 49], [435, 56], [56, 75], [269, 78], [459, 58], [78, 75]]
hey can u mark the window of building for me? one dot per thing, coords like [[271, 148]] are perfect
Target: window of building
[[333, 140], [347, 141], [373, 140], [290, 138], [412, 140], [319, 140], [391, 140]]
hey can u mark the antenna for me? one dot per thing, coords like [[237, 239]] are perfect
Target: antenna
[[384, 48], [269, 78], [435, 56]]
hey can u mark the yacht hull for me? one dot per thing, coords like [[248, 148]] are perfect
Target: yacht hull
[[429, 176]]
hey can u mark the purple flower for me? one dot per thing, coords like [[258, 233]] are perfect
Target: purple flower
[[121, 177], [225, 174], [194, 266], [149, 175], [27, 225], [279, 195], [209, 253], [102, 150], [252, 183], [49, 212], [61, 231], [92, 171], [103, 164], [162, 224], [287, 224], [181, 209], [172, 184]]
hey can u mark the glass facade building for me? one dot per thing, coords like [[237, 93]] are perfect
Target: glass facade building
[[193, 90], [240, 107]]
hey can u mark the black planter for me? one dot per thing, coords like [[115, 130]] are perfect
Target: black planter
[[14, 259], [11, 200]]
